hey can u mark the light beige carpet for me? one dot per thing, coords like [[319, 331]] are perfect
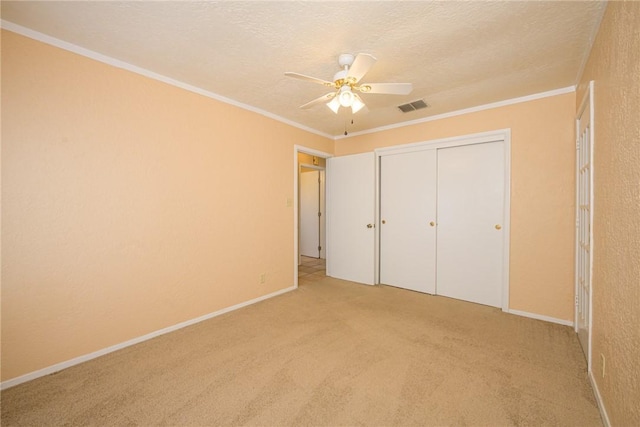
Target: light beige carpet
[[330, 353]]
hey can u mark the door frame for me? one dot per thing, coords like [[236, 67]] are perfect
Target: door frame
[[587, 102], [503, 135], [296, 176]]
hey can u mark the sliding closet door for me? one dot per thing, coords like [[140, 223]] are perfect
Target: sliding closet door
[[470, 217], [408, 215]]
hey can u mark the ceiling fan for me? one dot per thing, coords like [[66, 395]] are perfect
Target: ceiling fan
[[345, 84]]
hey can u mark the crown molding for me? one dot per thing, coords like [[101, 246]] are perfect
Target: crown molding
[[44, 38], [527, 98], [35, 35]]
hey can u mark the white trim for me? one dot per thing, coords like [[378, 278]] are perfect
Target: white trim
[[592, 136], [453, 141], [540, 317], [44, 38], [576, 225], [533, 97], [503, 135], [506, 243], [85, 358], [296, 176], [587, 101], [311, 151], [601, 407], [18, 29]]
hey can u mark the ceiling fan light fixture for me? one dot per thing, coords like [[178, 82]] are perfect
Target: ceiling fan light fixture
[[346, 84], [334, 104], [357, 105], [346, 97]]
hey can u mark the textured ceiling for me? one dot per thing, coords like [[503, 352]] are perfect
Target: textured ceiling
[[456, 54]]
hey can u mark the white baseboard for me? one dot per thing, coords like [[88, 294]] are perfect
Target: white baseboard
[[603, 411], [594, 385], [540, 317], [77, 360]]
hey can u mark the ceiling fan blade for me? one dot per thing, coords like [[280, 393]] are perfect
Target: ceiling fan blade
[[309, 79], [320, 100], [387, 88], [360, 66]]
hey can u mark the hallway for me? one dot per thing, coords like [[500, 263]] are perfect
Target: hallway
[[311, 270]]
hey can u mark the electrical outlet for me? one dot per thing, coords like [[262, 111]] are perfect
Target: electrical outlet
[[602, 359], [263, 277]]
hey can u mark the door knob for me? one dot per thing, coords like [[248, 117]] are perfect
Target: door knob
[[498, 226], [432, 223], [384, 222], [369, 225]]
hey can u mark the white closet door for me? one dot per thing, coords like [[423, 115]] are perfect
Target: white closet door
[[309, 208], [408, 215], [470, 217], [351, 217]]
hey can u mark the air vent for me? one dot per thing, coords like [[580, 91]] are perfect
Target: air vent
[[412, 106]]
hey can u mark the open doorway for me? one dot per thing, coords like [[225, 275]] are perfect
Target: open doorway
[[309, 217], [311, 214]]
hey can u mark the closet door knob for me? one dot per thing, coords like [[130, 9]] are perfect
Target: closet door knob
[[432, 223], [498, 226], [369, 225], [384, 222]]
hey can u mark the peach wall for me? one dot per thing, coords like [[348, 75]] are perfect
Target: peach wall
[[130, 205], [542, 192], [614, 66]]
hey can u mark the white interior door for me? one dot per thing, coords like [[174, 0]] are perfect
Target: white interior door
[[309, 209], [351, 217], [408, 183], [470, 217], [583, 223]]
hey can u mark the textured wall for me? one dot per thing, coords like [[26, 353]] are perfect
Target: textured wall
[[614, 65], [129, 205], [542, 192]]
